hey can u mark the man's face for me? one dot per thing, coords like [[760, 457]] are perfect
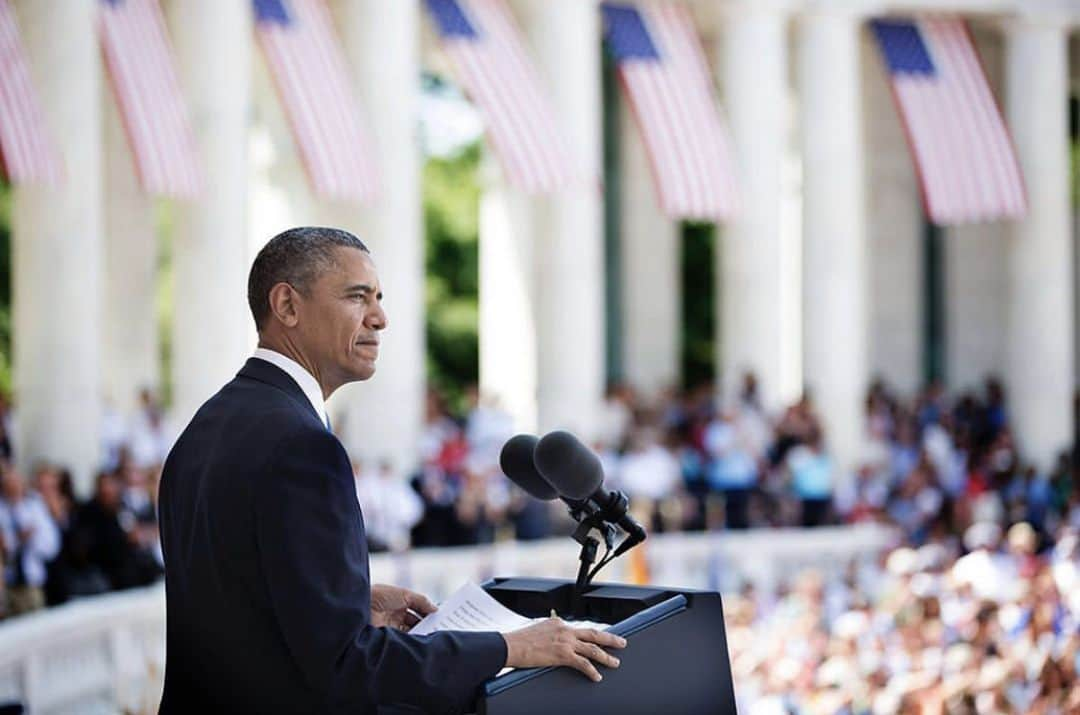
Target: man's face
[[340, 319]]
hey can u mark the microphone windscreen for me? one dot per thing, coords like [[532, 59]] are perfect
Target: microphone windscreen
[[516, 460], [571, 467]]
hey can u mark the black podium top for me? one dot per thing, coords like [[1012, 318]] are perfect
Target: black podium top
[[676, 659]]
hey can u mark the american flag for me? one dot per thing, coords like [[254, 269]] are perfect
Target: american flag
[[965, 159], [664, 73], [490, 58], [28, 154], [143, 75], [309, 72]]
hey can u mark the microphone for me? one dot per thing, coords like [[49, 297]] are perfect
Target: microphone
[[575, 472], [516, 461]]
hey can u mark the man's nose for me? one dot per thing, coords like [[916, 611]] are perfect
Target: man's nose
[[378, 319]]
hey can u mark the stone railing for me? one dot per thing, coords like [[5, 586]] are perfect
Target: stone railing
[[106, 654]]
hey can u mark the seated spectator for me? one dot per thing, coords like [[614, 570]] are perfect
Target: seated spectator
[[106, 538], [29, 539], [58, 492]]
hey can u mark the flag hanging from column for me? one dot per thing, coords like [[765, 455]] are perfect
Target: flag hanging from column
[[666, 79], [309, 72], [142, 71], [29, 156], [490, 59], [967, 165]]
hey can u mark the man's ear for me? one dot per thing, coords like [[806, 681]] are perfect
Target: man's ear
[[283, 304]]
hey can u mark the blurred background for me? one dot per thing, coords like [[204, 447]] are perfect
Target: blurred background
[[803, 272]]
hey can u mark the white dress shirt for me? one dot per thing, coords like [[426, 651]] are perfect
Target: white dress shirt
[[44, 543], [300, 376]]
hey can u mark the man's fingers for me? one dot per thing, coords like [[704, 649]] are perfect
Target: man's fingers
[[411, 619], [608, 640], [585, 666], [420, 603], [597, 654]]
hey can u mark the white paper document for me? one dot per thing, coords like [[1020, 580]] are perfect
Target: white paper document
[[470, 608]]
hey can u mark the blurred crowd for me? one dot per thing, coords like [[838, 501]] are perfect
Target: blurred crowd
[[932, 465], [54, 546], [977, 610], [986, 624]]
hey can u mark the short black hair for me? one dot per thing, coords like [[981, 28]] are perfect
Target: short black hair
[[297, 257]]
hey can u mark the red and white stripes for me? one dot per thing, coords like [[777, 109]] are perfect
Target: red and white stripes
[[29, 155], [309, 72], [499, 75], [144, 79]]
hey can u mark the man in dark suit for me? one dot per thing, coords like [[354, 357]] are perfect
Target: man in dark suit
[[270, 608]]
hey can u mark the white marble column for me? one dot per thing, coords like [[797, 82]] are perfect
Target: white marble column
[[507, 326], [279, 194], [130, 348], [57, 249], [976, 269], [1039, 343], [754, 297], [894, 230], [212, 325], [651, 285], [383, 416], [564, 36], [834, 234]]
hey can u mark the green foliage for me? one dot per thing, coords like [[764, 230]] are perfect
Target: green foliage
[[699, 308], [451, 215]]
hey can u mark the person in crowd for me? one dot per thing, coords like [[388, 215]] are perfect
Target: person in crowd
[[29, 539], [115, 435], [812, 477], [651, 475], [105, 538], [55, 486], [616, 414], [390, 506], [149, 439], [733, 466]]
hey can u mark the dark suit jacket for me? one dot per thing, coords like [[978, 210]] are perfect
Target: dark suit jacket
[[266, 572]]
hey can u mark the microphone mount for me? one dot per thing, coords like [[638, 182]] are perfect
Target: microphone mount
[[591, 516]]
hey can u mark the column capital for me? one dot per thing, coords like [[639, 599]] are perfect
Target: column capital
[[854, 11], [1041, 15], [736, 8]]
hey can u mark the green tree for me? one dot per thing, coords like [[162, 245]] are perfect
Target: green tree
[[451, 213]]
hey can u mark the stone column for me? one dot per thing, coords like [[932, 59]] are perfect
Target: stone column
[[753, 299], [564, 36], [1039, 320], [651, 289], [384, 416], [894, 230], [212, 326], [507, 327], [130, 348], [834, 234], [57, 249]]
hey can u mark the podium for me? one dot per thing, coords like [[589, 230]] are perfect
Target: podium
[[675, 660]]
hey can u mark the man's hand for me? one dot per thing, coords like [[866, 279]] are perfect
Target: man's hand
[[552, 642], [397, 607]]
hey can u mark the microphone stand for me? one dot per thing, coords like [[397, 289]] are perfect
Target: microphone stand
[[588, 518]]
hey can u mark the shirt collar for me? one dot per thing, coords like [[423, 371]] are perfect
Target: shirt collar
[[300, 376]]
